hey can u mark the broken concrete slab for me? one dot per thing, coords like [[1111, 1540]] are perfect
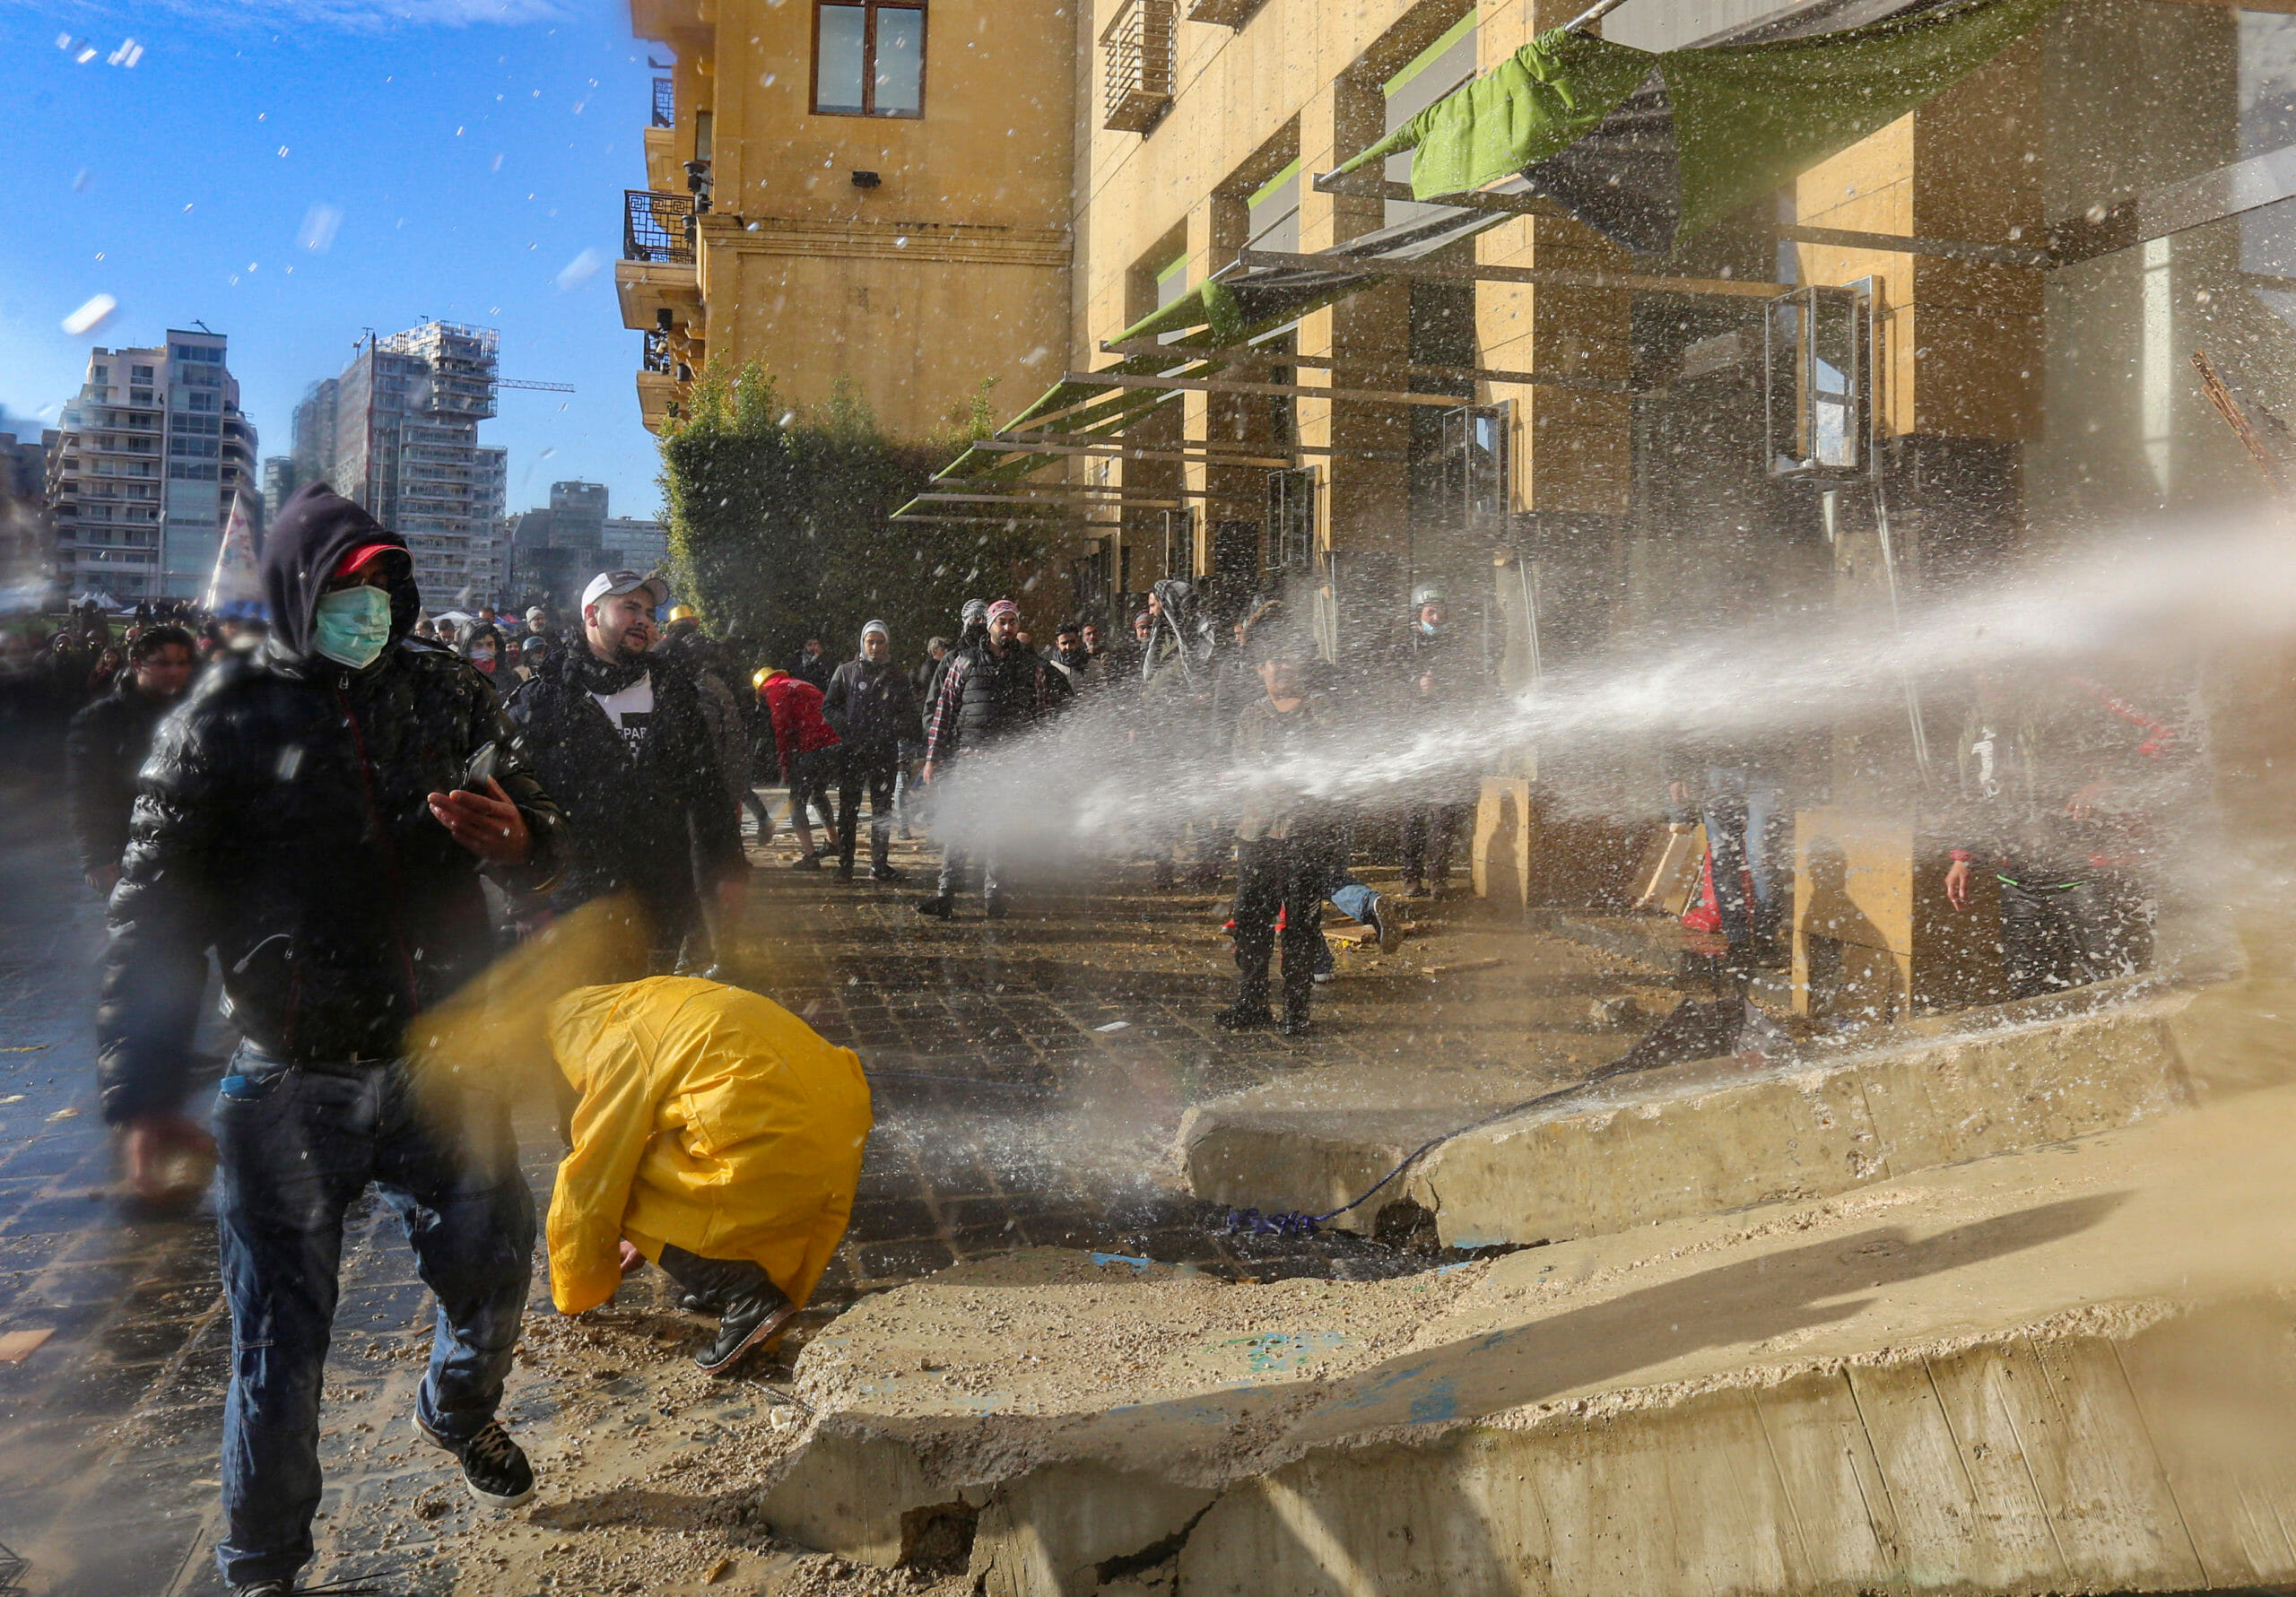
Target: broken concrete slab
[[2066, 1369], [1694, 1138]]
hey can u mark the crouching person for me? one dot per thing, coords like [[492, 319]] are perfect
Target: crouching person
[[720, 1135]]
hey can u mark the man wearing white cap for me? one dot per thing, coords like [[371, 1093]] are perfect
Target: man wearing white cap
[[874, 708], [622, 737]]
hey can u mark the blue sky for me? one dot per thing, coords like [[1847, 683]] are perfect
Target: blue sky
[[473, 151]]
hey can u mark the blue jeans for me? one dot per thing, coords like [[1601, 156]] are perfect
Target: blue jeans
[[1746, 817], [1351, 897], [298, 1144]]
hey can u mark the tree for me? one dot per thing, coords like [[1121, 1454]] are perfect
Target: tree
[[781, 530]]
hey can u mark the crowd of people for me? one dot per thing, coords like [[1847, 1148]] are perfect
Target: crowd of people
[[313, 801]]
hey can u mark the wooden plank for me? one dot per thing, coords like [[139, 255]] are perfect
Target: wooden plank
[[16, 1346]]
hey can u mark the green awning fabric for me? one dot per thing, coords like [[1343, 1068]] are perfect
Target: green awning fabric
[[1214, 313], [1647, 146]]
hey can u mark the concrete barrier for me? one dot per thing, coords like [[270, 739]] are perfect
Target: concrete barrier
[[1696, 1138], [2065, 1370]]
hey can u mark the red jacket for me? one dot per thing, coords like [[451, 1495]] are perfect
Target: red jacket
[[795, 705]]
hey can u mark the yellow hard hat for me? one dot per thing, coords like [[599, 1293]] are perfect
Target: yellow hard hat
[[682, 612], [757, 678]]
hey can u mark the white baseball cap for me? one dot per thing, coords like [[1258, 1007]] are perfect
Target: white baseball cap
[[612, 584]]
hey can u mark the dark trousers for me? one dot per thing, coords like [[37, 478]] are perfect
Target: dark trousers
[[756, 806], [877, 776], [813, 777], [2064, 934], [1273, 875], [298, 1144], [1427, 832], [717, 1280], [956, 863]]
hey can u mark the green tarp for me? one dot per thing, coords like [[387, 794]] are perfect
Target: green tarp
[[1698, 133]]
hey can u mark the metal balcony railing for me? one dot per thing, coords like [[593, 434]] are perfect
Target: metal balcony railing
[[1138, 65], [657, 352], [656, 227], [665, 102]]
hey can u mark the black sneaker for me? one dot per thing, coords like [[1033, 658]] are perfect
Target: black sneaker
[[1295, 1023], [1385, 927], [753, 1321], [845, 873], [940, 906], [994, 909], [264, 1588], [1237, 1018], [806, 862], [887, 873], [494, 1467]]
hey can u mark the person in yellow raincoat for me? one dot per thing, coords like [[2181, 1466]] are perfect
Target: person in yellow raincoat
[[716, 1132]]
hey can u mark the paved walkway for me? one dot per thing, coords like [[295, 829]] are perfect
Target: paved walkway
[[1029, 1076]]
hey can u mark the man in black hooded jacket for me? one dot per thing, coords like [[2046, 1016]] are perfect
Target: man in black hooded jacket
[[617, 731], [317, 813], [109, 740]]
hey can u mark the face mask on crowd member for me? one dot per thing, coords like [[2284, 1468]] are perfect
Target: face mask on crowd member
[[353, 624], [481, 655], [1430, 619], [876, 642]]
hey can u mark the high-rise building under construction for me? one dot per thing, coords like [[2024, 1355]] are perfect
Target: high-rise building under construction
[[397, 432]]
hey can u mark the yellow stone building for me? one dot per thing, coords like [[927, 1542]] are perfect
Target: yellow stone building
[[1881, 380], [869, 193]]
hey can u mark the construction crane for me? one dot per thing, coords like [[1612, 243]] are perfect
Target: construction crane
[[540, 387]]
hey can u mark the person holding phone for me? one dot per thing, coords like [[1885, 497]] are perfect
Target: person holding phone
[[311, 814]]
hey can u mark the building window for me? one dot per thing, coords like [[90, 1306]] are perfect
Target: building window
[[868, 58]]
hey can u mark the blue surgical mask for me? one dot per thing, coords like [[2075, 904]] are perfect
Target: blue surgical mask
[[352, 626]]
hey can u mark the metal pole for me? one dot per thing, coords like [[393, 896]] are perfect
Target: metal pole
[[1591, 15]]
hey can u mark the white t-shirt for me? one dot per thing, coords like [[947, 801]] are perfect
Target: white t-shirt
[[630, 710]]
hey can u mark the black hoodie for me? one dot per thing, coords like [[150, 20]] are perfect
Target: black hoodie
[[317, 527], [282, 821]]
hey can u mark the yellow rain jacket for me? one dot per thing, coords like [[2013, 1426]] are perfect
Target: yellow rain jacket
[[710, 1118]]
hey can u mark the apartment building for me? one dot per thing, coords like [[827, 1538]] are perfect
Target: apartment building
[[491, 510], [397, 432], [1578, 321], [636, 543], [144, 465], [871, 195]]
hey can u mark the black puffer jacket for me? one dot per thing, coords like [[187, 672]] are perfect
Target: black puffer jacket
[[986, 697], [102, 752], [282, 821], [873, 710], [644, 822]]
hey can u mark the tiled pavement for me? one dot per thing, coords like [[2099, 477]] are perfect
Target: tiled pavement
[[1029, 1076]]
